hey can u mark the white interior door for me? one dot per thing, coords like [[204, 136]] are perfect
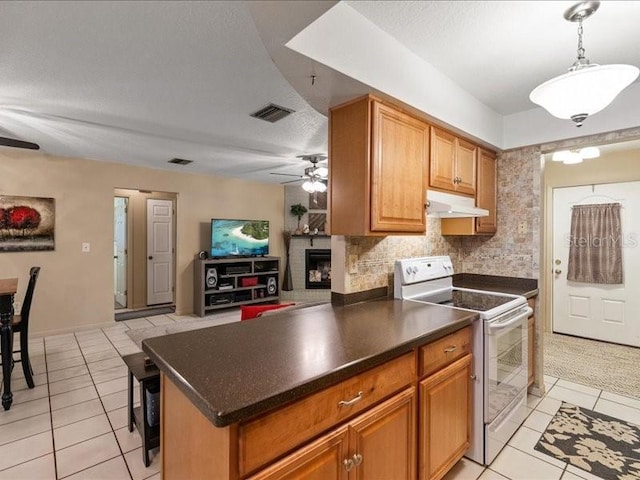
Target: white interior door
[[601, 312], [120, 251], [159, 251]]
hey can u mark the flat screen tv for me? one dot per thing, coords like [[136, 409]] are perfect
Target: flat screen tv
[[239, 238]]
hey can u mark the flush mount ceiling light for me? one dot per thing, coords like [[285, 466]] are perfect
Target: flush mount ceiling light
[[575, 156], [588, 87]]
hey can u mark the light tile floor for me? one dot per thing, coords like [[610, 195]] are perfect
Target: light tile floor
[[519, 461], [73, 424]]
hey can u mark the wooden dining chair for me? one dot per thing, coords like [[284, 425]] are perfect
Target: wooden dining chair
[[20, 323]]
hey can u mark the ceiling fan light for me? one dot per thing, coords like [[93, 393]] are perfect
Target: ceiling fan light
[[584, 91], [322, 171], [561, 156], [320, 187], [589, 152], [573, 158], [308, 186]]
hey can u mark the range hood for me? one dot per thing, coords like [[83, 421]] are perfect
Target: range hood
[[448, 205]]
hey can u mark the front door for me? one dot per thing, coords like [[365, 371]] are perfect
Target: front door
[[159, 251], [597, 311]]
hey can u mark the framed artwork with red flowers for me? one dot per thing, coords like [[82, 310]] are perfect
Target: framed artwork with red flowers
[[26, 223]]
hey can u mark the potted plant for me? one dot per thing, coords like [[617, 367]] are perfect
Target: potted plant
[[298, 210]]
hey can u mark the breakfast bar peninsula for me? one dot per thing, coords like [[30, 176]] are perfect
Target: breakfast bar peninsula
[[373, 390]]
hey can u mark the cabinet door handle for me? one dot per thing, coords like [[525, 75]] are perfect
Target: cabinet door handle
[[347, 463], [450, 349], [348, 403], [357, 459]]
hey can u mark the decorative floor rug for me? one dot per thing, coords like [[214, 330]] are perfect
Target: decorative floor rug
[[596, 443], [607, 366]]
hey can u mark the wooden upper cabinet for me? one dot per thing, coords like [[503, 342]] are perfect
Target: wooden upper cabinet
[[453, 163], [487, 195], [378, 159], [466, 154]]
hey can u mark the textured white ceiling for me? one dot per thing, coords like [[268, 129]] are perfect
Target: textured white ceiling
[[143, 82], [501, 50]]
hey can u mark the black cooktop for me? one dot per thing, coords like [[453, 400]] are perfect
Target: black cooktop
[[477, 301]]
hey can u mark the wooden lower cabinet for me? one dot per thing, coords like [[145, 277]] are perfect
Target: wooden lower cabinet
[[379, 444], [400, 425], [444, 409], [322, 460]]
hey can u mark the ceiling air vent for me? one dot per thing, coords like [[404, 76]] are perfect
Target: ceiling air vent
[[180, 161], [272, 113]]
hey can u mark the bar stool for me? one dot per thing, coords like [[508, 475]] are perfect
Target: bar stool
[[20, 323]]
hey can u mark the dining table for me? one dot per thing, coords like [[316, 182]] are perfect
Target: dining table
[[8, 288]]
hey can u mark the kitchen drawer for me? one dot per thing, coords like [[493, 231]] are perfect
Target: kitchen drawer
[[268, 437], [441, 353]]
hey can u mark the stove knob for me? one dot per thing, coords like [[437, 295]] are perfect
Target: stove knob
[[415, 269], [408, 270]]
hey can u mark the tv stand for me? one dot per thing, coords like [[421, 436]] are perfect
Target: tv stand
[[230, 282]]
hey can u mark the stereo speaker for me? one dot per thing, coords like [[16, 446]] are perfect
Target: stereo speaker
[[272, 286], [211, 278]]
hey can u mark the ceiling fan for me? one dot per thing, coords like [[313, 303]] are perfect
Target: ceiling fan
[[314, 177], [12, 142]]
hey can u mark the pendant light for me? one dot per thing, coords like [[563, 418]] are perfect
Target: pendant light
[[588, 87]]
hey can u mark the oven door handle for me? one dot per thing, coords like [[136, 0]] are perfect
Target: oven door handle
[[497, 326]]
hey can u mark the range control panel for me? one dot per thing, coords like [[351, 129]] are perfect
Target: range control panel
[[421, 269]]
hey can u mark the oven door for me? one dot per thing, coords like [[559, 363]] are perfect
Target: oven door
[[505, 361]]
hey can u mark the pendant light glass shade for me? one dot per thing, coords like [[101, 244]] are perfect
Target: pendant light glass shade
[[583, 92], [588, 87]]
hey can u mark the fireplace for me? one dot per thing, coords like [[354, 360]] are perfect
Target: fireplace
[[317, 264]]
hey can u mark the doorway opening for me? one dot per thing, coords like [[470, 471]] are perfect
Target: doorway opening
[[120, 252], [145, 244]]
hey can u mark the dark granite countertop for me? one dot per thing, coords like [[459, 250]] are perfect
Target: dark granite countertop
[[527, 287], [236, 371]]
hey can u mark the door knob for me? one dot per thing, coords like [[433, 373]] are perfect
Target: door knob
[[150, 257], [558, 272]]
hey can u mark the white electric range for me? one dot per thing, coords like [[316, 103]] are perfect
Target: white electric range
[[499, 348]]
